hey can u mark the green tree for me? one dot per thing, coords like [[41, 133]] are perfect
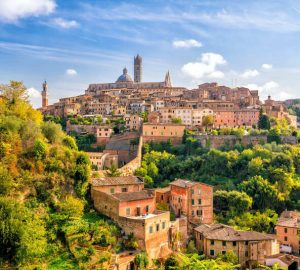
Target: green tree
[[176, 120], [234, 201], [263, 121], [208, 121], [274, 136], [6, 181], [71, 207], [52, 132], [112, 171], [70, 142], [39, 149], [141, 260], [264, 195], [22, 233]]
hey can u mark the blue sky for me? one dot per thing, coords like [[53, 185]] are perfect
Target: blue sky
[[73, 43]]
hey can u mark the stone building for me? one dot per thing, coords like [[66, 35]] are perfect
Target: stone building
[[102, 160], [102, 133], [277, 109], [288, 232], [250, 247], [133, 122]]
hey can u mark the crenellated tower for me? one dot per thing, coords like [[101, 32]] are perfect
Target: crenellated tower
[[45, 95], [137, 69]]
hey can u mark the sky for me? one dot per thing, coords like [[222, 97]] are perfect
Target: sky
[[71, 44]]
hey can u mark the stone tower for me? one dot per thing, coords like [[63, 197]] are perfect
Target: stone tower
[[45, 95], [137, 69]]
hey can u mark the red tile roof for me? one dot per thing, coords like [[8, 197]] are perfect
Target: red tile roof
[[115, 181], [289, 219], [223, 232], [184, 183], [134, 196]]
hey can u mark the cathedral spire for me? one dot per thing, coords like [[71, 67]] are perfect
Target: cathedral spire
[[168, 80]]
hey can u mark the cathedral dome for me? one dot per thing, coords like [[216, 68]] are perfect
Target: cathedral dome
[[125, 77]]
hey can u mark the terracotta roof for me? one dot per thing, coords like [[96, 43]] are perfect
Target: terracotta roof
[[285, 258], [115, 181], [163, 124], [163, 190], [226, 233], [133, 196], [184, 183], [289, 219]]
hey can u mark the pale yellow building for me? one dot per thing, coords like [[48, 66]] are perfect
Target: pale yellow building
[[250, 247]]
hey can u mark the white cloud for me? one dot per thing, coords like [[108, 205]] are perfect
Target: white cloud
[[71, 72], [65, 23], [207, 67], [250, 73], [270, 88], [188, 43], [33, 93], [266, 66], [13, 10]]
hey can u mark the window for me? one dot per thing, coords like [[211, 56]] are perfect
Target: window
[[192, 191], [199, 213], [163, 225], [127, 211], [157, 227], [224, 243], [223, 252], [246, 253], [147, 209], [193, 213], [212, 252], [246, 243], [124, 189], [199, 201], [285, 230], [199, 191], [193, 202], [234, 243], [150, 229], [112, 190], [212, 242], [285, 238]]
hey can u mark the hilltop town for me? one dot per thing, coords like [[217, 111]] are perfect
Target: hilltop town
[[122, 118]]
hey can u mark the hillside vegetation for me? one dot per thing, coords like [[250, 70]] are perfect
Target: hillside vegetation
[[252, 184], [45, 220]]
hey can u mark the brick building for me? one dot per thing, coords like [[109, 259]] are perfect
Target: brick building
[[288, 232], [193, 200], [250, 247], [124, 200], [120, 184]]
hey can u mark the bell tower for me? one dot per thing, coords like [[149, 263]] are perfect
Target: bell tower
[[45, 95], [137, 69]]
